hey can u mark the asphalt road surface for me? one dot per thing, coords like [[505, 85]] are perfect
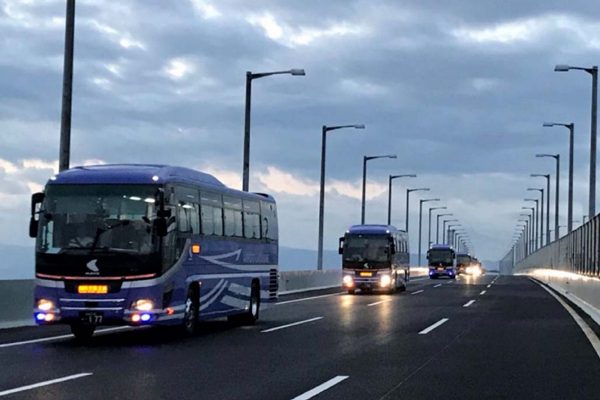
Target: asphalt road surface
[[473, 338]]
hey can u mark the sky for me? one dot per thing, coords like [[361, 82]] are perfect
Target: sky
[[458, 90]]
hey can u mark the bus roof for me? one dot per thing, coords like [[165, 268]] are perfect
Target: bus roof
[[440, 247], [373, 229], [139, 174]]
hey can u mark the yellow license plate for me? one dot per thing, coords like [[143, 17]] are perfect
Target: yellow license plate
[[92, 289], [366, 274]]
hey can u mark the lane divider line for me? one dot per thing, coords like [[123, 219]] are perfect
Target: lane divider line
[[378, 302], [468, 304], [292, 324], [417, 292], [589, 333], [45, 383], [438, 285], [321, 388], [432, 327], [308, 298], [59, 337], [489, 286], [482, 292]]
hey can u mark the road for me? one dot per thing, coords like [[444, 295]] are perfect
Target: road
[[487, 337]]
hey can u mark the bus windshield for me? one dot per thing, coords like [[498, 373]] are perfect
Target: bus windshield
[[465, 260], [97, 217], [364, 249], [441, 256]]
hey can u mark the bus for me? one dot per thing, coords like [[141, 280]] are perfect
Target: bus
[[463, 263], [134, 244], [441, 260], [374, 257]]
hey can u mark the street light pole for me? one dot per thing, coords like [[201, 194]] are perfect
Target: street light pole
[[537, 221], [557, 158], [541, 215], [324, 131], [437, 226], [249, 77], [532, 226], [429, 232], [444, 229], [408, 192], [547, 176], [391, 178], [67, 92], [594, 72], [421, 222], [364, 185], [571, 128]]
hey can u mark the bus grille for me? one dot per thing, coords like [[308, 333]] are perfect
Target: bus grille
[[273, 284]]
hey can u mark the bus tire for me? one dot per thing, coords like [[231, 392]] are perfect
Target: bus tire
[[251, 316], [351, 291], [82, 332], [192, 310]]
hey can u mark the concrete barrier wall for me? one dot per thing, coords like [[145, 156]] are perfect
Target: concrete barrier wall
[[16, 303]]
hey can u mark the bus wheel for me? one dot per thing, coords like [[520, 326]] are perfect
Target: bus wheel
[[251, 316], [82, 332], [192, 309], [351, 291]]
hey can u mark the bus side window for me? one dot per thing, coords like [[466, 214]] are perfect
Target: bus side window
[[268, 219], [211, 213], [251, 219], [232, 212]]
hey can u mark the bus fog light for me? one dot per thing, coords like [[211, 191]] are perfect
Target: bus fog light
[[385, 280], [145, 317], [40, 316], [347, 280], [49, 317], [143, 305], [135, 318]]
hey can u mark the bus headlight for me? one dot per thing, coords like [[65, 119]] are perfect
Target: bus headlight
[[348, 281], [385, 280], [45, 305], [143, 305]]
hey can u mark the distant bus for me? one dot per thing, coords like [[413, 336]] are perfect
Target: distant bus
[[150, 245], [463, 262], [374, 257], [441, 260]]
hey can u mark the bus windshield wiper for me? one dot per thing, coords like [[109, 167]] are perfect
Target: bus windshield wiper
[[101, 231]]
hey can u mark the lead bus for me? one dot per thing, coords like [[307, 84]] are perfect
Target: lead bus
[[150, 245], [374, 257]]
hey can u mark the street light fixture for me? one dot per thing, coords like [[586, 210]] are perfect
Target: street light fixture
[[364, 186], [249, 77], [391, 178], [594, 72], [541, 215], [429, 234], [324, 131], [421, 222], [408, 192], [571, 128], [557, 158]]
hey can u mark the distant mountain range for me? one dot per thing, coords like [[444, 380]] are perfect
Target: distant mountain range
[[17, 262]]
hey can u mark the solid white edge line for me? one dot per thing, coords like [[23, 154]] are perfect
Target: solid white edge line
[[59, 337], [308, 298], [290, 325], [417, 292], [45, 383], [378, 302], [432, 327], [321, 388], [438, 285], [468, 304], [588, 332], [482, 292]]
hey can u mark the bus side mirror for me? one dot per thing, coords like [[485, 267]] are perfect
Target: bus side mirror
[[341, 246], [160, 227], [36, 202]]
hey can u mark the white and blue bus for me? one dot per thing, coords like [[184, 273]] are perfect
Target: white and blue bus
[[150, 245], [441, 259], [374, 257]]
